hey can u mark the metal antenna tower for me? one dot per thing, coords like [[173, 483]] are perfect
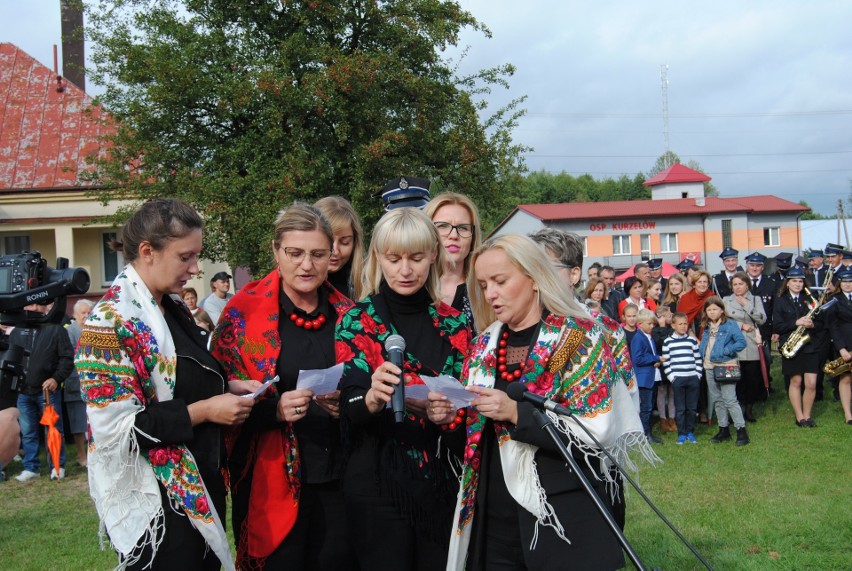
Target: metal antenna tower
[[664, 80]]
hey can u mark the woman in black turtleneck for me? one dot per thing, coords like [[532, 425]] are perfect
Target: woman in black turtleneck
[[398, 483]]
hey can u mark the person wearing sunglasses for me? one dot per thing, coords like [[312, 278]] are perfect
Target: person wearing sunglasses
[[285, 462], [457, 220]]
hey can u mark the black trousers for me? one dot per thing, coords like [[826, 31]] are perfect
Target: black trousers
[[384, 540]]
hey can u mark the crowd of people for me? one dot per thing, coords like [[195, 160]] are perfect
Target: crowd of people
[[183, 404]]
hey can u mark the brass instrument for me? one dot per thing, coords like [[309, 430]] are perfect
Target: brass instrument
[[837, 367], [799, 337]]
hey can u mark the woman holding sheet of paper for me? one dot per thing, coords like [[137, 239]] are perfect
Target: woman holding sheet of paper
[[399, 484], [520, 506], [285, 462]]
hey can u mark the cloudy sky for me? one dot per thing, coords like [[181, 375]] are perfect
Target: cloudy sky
[[759, 92]]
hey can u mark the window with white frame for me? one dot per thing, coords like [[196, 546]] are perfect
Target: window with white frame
[[621, 245], [645, 246], [668, 242], [772, 236], [13, 244], [113, 262]]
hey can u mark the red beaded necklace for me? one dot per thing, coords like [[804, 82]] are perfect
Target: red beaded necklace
[[502, 368], [309, 324]]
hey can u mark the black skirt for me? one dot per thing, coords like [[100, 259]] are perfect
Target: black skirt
[[800, 364]]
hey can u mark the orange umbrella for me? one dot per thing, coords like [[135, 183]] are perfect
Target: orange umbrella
[[54, 439]]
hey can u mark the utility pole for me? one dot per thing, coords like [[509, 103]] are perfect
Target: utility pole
[[841, 219], [664, 80]]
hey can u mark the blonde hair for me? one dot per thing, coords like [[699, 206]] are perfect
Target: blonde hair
[[403, 230], [301, 217], [697, 276], [644, 315], [445, 198], [340, 213], [532, 261]]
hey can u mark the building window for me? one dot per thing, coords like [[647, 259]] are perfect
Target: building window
[[772, 236], [668, 242], [645, 246], [727, 242], [621, 245], [113, 262], [15, 244]]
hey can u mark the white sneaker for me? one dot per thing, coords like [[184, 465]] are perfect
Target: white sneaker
[[26, 476], [53, 475]]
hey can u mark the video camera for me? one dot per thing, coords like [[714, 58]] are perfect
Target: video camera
[[26, 279]]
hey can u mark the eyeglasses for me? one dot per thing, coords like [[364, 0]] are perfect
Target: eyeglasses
[[562, 266], [297, 255], [463, 230]]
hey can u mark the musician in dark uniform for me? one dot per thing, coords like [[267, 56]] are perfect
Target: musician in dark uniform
[[783, 262], [833, 255], [655, 272], [686, 267], [818, 268], [839, 320], [722, 281], [790, 311]]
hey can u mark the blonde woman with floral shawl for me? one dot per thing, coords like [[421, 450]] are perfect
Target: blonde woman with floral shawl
[[155, 403], [519, 506]]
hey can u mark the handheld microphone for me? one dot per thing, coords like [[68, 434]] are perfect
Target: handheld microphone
[[395, 346], [519, 392]]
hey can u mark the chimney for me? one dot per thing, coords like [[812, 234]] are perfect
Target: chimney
[[699, 201], [73, 56]]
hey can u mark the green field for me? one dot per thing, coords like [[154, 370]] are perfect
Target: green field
[[780, 503]]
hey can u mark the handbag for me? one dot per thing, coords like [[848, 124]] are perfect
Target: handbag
[[727, 374]]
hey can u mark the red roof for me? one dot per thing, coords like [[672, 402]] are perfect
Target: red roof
[[45, 134], [657, 208], [676, 173]]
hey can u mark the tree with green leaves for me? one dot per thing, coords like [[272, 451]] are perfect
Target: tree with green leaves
[[240, 108]]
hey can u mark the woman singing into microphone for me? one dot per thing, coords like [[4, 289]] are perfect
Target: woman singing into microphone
[[399, 485], [519, 506]]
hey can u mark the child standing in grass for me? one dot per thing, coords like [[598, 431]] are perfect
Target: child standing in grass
[[647, 363], [720, 343], [665, 395], [629, 322], [683, 369]]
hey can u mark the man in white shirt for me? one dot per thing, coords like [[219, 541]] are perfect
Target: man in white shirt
[[214, 304]]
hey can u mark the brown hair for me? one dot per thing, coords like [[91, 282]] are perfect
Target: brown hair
[[158, 222], [593, 283], [712, 300], [301, 217], [339, 212]]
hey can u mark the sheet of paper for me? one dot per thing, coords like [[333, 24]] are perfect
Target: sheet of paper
[[261, 389], [451, 388], [321, 381], [414, 392]]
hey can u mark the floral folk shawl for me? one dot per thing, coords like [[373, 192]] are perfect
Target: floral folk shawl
[[572, 364], [247, 344], [126, 359]]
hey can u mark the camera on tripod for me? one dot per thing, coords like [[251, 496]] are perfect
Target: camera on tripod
[[26, 279]]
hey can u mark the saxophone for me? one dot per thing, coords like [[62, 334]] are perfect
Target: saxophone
[[837, 367], [799, 337]]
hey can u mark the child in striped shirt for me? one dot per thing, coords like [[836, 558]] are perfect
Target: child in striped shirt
[[683, 368]]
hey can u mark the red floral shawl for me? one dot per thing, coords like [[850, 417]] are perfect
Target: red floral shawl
[[247, 343]]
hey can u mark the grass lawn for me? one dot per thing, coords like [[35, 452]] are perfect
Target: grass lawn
[[779, 503]]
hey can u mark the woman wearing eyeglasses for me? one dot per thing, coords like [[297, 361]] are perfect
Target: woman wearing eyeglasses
[[457, 220], [285, 462], [399, 483]]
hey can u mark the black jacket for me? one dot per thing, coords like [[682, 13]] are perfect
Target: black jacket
[[839, 320], [784, 315], [50, 355], [766, 290]]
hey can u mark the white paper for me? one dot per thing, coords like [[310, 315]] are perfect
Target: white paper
[[414, 392], [261, 389], [320, 381], [451, 388]]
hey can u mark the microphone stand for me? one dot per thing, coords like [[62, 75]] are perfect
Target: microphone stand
[[545, 424]]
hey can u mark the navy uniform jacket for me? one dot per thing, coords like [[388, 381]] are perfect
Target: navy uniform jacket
[[785, 312], [817, 277], [766, 290], [722, 285], [838, 318]]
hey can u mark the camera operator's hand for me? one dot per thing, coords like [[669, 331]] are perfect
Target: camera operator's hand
[[50, 385]]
